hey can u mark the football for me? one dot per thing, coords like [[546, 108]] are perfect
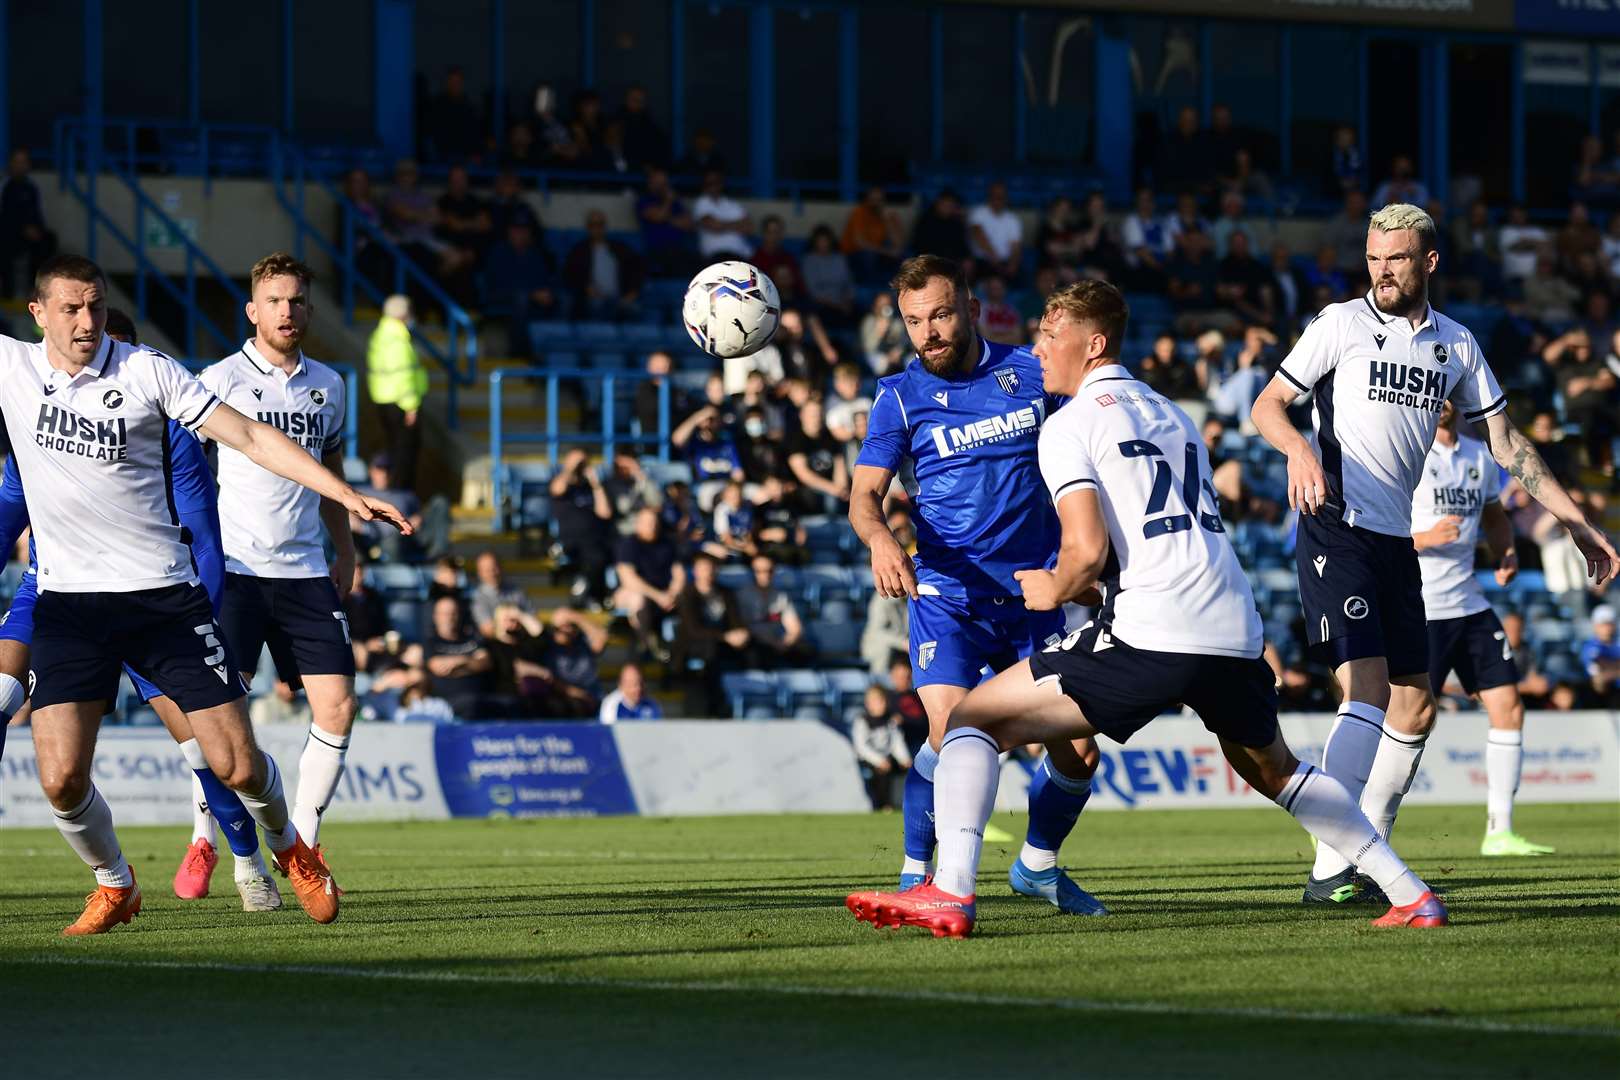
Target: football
[[731, 309]]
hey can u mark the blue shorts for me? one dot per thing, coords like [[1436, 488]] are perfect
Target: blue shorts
[[1475, 647], [17, 624], [953, 638]]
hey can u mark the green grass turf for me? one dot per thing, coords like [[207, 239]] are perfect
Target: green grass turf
[[663, 948]]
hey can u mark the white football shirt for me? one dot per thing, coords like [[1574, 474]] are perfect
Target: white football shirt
[[93, 450], [1174, 583], [1379, 386], [270, 526], [1457, 481]]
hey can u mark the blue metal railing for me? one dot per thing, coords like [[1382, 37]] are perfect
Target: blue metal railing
[[609, 438], [459, 354], [146, 271]]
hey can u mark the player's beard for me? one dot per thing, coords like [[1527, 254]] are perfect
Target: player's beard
[[1409, 299], [950, 362], [283, 343]]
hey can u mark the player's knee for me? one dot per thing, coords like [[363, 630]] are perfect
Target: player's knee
[[65, 787], [238, 773]]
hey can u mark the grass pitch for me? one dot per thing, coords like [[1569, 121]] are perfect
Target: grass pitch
[[637, 947]]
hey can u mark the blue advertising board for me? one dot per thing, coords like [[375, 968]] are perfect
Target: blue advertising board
[[531, 770]]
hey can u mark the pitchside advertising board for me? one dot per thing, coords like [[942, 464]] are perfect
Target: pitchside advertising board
[[672, 768]]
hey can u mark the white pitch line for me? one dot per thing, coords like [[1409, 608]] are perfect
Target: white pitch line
[[947, 997]]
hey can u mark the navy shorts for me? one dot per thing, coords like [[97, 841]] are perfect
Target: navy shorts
[[1120, 689], [168, 635], [1476, 648], [301, 619], [953, 638], [17, 624], [1362, 593]]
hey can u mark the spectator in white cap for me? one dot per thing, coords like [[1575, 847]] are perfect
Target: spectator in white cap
[[1600, 656]]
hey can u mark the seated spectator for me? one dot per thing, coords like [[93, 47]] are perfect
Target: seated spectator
[[584, 517], [754, 397], [1229, 224], [1325, 274], [1587, 386], [456, 660], [1600, 657], [777, 531], [733, 524], [763, 446], [283, 705], [1098, 243], [1552, 298], [411, 217], [519, 283], [1548, 436], [682, 520], [1167, 372], [1521, 244], [608, 158], [649, 392], [847, 400], [1578, 237], [1222, 144], [775, 631], [1402, 186], [1346, 170], [492, 591], [464, 220], [447, 579], [508, 204], [1288, 291], [522, 151], [650, 580], [1243, 283], [1562, 562], [1233, 394], [367, 613], [1533, 685], [1186, 220], [702, 155], [710, 638], [801, 349], [1183, 159], [23, 231], [629, 701], [604, 275], [1476, 260], [881, 747], [999, 321], [777, 262], [712, 452], [884, 343], [666, 227], [1193, 275], [1058, 240], [996, 235], [1149, 243], [828, 283], [572, 654], [585, 128], [723, 224], [942, 229], [717, 396], [383, 543], [452, 129], [371, 261], [887, 631], [554, 137], [1346, 236], [1249, 182], [873, 239], [907, 702], [521, 686], [816, 460], [630, 490], [645, 143]]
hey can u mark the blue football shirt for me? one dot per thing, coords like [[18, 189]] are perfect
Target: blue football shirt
[[982, 511]]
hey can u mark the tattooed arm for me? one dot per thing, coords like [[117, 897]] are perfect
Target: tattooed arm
[[1518, 455]]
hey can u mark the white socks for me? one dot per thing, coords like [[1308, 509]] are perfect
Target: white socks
[[12, 696], [1036, 858], [251, 866], [202, 822], [1325, 808], [1347, 757], [1504, 759], [88, 829], [1391, 777], [319, 770], [965, 782], [269, 809], [926, 761]]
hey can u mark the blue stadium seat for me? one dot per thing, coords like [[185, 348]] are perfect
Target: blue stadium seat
[[752, 691], [733, 576], [664, 473], [839, 610], [836, 639], [355, 471], [802, 688], [846, 688], [597, 333], [547, 333], [824, 583], [409, 617], [397, 580]]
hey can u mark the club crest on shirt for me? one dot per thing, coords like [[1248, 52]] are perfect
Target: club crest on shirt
[[112, 399], [1008, 380], [1439, 353], [318, 396], [925, 654], [1356, 608]]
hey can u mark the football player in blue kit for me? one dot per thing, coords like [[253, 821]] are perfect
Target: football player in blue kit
[[967, 413]]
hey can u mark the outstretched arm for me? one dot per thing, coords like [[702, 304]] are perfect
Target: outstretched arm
[[1518, 455]]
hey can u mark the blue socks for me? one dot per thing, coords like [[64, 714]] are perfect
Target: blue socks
[[240, 833], [1055, 802], [917, 808]]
